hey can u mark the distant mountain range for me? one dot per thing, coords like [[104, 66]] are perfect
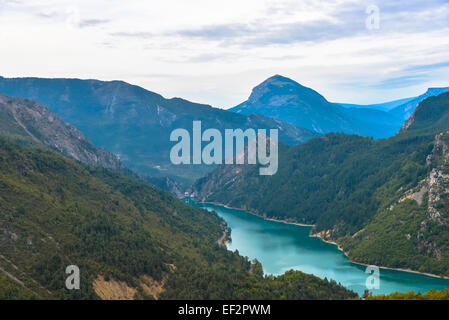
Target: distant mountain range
[[404, 111], [385, 202], [282, 98], [134, 123], [386, 106], [402, 108]]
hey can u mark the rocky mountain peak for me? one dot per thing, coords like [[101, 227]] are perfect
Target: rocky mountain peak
[[276, 89]]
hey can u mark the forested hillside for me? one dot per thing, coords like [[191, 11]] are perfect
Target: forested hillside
[[128, 239]]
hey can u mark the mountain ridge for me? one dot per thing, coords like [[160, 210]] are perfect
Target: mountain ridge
[[135, 123], [283, 98]]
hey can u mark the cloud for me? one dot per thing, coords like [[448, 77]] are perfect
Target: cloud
[[428, 67], [402, 81], [207, 57], [345, 20], [138, 35], [263, 33], [412, 75], [92, 22], [48, 14], [217, 32], [72, 15], [5, 2], [322, 44]]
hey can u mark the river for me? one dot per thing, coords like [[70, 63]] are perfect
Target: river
[[281, 247]]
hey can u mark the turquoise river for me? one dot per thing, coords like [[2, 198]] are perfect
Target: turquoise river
[[281, 247]]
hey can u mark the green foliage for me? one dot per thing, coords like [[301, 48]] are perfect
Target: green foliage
[[10, 290], [431, 295], [55, 212]]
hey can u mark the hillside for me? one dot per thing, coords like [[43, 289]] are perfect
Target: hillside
[[31, 123], [129, 240], [432, 112], [135, 123], [384, 201]]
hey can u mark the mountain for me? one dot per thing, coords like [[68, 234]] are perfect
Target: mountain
[[386, 106], [134, 123], [385, 202], [287, 100], [129, 240], [282, 98], [404, 111], [30, 122]]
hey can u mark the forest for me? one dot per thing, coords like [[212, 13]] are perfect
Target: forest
[[57, 212]]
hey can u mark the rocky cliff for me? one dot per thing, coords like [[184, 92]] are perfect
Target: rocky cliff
[[29, 121]]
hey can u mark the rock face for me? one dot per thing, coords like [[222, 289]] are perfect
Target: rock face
[[437, 185], [167, 184], [215, 180], [30, 121], [135, 123], [289, 101]]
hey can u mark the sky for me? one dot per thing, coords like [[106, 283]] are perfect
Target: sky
[[215, 52]]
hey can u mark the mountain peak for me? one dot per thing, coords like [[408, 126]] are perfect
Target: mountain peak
[[278, 78], [279, 86], [278, 81]]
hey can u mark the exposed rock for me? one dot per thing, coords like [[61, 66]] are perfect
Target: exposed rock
[[418, 196], [437, 186], [152, 287], [113, 289]]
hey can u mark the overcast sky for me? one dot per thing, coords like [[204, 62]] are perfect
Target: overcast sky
[[215, 52]]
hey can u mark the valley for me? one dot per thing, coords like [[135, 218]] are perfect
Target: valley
[[222, 159], [353, 191]]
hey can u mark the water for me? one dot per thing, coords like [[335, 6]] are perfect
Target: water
[[281, 247]]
